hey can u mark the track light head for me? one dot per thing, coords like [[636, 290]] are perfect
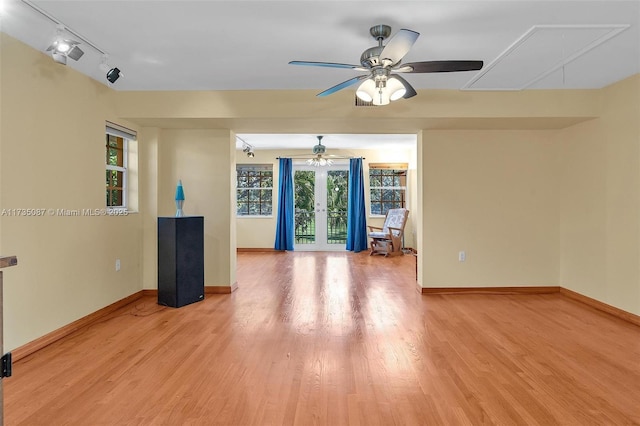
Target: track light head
[[75, 53], [248, 149], [59, 58], [113, 75], [62, 48]]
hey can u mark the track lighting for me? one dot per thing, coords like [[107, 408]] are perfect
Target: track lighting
[[246, 148], [249, 151], [62, 48], [112, 73]]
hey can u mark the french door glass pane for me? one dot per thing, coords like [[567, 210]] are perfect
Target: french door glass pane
[[337, 200], [305, 218]]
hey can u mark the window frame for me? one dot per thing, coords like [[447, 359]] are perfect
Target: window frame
[[126, 135], [254, 168], [392, 167]]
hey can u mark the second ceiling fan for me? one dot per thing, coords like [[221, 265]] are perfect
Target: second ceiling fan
[[382, 63]]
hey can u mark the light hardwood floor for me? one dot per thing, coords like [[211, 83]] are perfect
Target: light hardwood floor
[[333, 339]]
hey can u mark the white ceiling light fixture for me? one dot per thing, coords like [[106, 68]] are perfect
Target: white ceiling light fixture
[[381, 90], [396, 89], [366, 91], [62, 48]]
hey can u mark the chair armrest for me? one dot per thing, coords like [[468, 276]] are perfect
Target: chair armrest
[[371, 228], [391, 229]]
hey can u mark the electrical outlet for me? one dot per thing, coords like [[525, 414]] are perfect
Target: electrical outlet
[[462, 256], [117, 264]]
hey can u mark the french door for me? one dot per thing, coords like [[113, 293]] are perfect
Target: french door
[[320, 207]]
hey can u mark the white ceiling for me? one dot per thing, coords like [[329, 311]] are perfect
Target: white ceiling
[[246, 45]]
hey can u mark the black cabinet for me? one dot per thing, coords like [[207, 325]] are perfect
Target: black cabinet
[[180, 260]]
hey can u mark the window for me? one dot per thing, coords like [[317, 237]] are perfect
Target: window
[[254, 189], [387, 186], [116, 151]]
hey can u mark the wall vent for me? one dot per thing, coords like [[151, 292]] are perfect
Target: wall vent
[[360, 103]]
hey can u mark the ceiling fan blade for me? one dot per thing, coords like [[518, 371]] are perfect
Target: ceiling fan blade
[[329, 65], [398, 46], [342, 85], [440, 66], [410, 91]]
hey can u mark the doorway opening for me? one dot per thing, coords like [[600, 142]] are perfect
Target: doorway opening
[[321, 198]]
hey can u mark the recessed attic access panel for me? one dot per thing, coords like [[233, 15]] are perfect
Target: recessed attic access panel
[[538, 53]]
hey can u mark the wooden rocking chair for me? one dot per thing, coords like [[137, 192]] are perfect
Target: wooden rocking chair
[[388, 239]]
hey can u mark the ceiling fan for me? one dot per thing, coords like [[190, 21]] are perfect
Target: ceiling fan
[[382, 63], [319, 159]]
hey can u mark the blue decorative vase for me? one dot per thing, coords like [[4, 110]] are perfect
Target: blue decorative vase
[[179, 199]]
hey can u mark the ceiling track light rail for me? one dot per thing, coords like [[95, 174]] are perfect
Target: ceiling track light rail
[[63, 48]]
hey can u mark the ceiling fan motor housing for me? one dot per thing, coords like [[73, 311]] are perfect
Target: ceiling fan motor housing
[[371, 57], [319, 149]]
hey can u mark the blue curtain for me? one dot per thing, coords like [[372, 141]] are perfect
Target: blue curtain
[[356, 213], [284, 224]]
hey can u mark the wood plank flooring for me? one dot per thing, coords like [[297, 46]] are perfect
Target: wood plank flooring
[[336, 339]]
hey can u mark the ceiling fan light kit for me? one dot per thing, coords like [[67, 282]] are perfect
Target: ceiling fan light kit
[[382, 84], [319, 160], [381, 91]]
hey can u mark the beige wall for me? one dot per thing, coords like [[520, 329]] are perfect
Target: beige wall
[[600, 227], [53, 157], [148, 146], [492, 194], [260, 232], [205, 162]]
